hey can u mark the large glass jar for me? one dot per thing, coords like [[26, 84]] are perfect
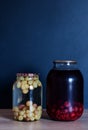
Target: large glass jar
[[64, 91], [27, 97]]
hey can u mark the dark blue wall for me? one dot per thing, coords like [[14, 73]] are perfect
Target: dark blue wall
[[35, 32]]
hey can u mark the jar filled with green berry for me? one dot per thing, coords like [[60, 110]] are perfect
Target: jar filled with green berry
[[27, 97]]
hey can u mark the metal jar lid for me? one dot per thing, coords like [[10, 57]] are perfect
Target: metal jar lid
[[65, 61]]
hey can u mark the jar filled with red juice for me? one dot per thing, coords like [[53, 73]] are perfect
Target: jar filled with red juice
[[64, 91]]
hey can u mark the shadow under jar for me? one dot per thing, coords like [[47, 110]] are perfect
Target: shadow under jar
[[27, 97], [64, 91]]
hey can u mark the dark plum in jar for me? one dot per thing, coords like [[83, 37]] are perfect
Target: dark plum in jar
[[64, 91]]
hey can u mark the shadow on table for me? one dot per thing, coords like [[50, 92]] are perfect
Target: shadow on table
[[45, 115], [6, 113]]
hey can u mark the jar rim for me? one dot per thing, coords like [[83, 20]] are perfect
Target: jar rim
[[27, 74], [65, 61]]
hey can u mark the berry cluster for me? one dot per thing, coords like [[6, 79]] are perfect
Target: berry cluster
[[27, 112], [27, 82], [66, 111]]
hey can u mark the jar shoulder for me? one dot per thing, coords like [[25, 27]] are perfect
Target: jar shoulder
[[65, 73]]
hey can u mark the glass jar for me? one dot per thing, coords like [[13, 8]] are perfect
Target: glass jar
[[64, 91], [27, 97]]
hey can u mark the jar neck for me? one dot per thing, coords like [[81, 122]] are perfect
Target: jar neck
[[65, 64], [29, 76]]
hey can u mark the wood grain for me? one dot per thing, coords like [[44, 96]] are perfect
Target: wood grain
[[7, 122]]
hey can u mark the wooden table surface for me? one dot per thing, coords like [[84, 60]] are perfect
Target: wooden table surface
[[7, 123]]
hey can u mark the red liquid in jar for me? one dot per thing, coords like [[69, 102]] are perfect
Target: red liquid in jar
[[64, 93]]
